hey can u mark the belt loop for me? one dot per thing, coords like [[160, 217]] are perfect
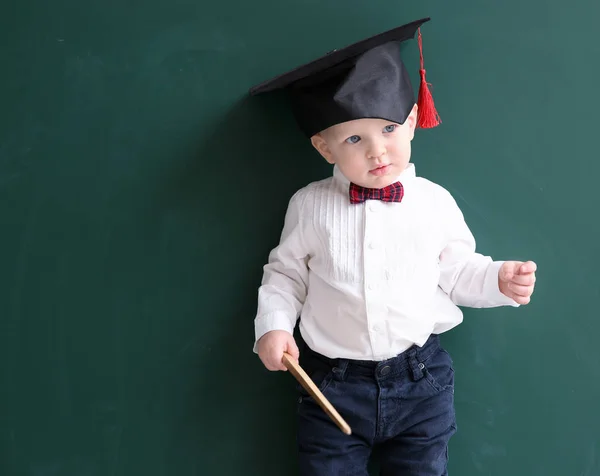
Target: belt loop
[[340, 369], [416, 366]]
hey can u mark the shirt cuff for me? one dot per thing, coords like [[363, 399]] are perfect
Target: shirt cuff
[[276, 321], [491, 288]]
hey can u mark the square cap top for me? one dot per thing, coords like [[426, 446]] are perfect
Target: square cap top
[[366, 79]]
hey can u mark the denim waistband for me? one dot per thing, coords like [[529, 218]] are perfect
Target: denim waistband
[[411, 358]]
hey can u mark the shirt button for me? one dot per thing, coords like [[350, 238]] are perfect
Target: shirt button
[[370, 286], [372, 245], [372, 208]]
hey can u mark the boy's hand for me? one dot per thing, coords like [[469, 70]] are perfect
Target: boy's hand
[[271, 347], [517, 280]]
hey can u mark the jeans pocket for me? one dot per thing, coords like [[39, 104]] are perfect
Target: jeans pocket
[[439, 371], [321, 377]]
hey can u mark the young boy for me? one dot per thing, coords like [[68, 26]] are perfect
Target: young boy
[[374, 260]]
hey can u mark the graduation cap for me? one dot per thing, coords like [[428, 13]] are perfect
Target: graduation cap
[[364, 80]]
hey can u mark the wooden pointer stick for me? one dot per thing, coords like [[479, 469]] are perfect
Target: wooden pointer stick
[[311, 388]]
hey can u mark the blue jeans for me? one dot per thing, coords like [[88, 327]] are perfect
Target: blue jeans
[[404, 406]]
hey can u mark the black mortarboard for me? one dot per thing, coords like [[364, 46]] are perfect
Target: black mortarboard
[[364, 80]]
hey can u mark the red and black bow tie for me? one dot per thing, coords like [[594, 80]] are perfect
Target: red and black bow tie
[[391, 193]]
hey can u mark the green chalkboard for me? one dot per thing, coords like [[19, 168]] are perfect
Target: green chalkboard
[[141, 190]]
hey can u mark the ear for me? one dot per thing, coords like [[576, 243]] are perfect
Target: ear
[[411, 121], [319, 143]]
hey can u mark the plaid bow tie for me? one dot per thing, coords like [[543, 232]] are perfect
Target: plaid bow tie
[[391, 193]]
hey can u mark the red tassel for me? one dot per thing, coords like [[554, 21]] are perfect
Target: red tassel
[[427, 116]]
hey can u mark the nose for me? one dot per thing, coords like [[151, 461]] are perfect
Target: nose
[[376, 150]]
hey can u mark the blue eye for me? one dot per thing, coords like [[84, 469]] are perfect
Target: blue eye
[[353, 139], [390, 128]]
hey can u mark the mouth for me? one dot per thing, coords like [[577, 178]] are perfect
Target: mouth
[[381, 170]]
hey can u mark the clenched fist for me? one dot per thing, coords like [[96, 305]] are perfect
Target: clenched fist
[[271, 347], [516, 280]]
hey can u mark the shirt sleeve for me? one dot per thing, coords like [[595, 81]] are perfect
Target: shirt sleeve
[[469, 278], [284, 284]]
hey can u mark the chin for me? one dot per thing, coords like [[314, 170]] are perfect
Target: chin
[[385, 184], [381, 182]]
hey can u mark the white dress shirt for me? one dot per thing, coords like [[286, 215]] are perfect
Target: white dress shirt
[[370, 280]]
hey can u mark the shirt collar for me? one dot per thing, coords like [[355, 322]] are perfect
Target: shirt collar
[[408, 173]]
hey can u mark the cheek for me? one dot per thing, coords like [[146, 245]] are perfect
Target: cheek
[[399, 147], [349, 156], [356, 160], [351, 162]]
